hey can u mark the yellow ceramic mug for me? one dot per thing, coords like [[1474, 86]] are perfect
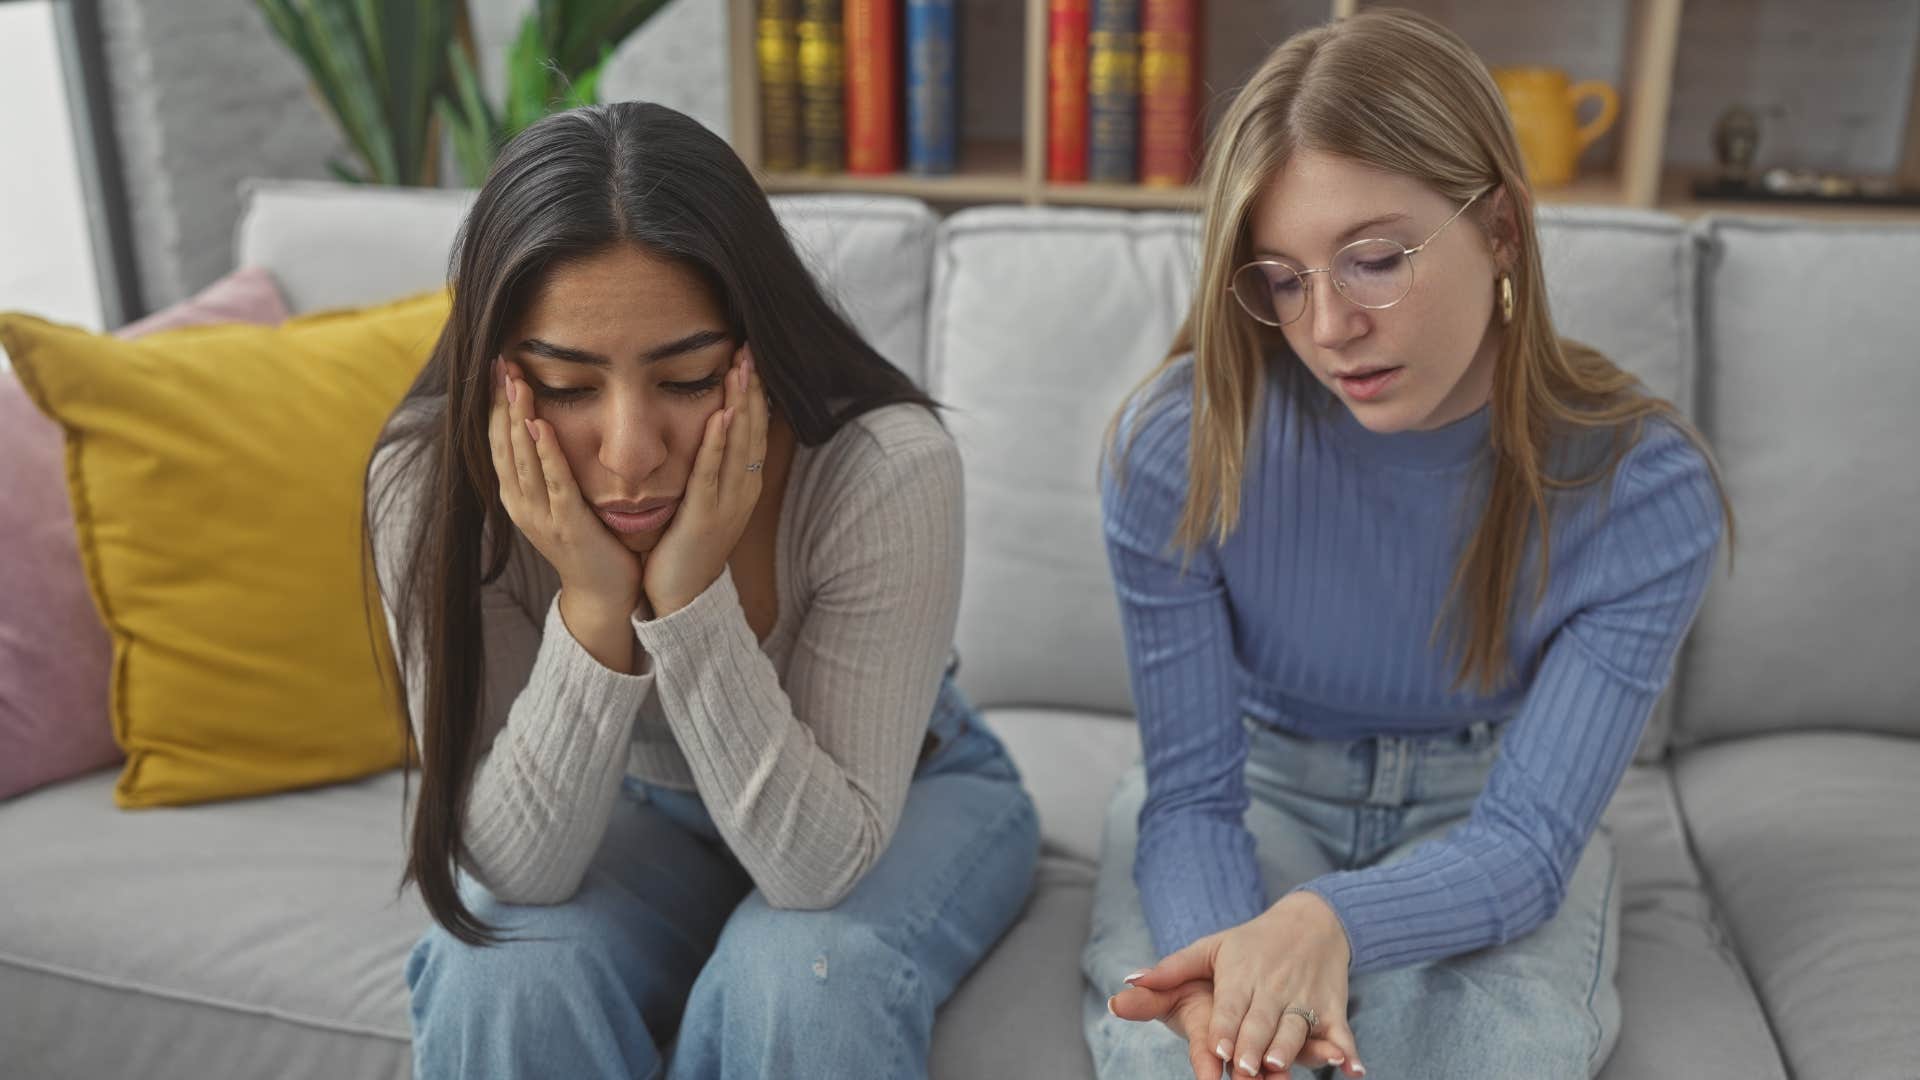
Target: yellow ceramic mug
[[1545, 111]]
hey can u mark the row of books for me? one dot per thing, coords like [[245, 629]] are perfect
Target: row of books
[[868, 87]]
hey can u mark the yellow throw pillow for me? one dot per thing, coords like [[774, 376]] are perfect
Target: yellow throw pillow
[[216, 475]]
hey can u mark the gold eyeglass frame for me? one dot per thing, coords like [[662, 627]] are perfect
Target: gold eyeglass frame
[[1307, 285]]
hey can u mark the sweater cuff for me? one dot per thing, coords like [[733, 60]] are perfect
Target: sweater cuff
[[579, 685], [1336, 889], [714, 612]]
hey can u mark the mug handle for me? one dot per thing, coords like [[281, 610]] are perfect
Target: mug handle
[[1609, 109]]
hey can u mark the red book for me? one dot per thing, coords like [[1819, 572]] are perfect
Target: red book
[[873, 86], [1169, 91], [1067, 26]]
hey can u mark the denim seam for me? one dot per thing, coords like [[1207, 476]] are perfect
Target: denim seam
[[1599, 957], [984, 843]]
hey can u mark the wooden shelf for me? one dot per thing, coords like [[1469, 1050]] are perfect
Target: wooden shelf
[[1015, 170], [990, 171], [1126, 196], [1676, 197]]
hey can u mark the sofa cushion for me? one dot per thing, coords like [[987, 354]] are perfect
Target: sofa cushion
[[1019, 1012], [257, 937], [54, 654], [1043, 318], [1684, 995], [208, 945], [1808, 841], [1808, 394], [337, 245], [1624, 281], [215, 475], [1070, 762]]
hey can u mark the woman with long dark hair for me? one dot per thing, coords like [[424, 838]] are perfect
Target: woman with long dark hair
[[671, 561]]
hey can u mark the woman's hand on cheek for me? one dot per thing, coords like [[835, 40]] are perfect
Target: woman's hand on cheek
[[1294, 953], [720, 496], [597, 572]]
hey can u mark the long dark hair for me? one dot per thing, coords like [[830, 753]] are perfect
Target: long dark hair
[[571, 186]]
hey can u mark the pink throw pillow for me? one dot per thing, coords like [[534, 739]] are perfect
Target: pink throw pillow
[[55, 656], [248, 295]]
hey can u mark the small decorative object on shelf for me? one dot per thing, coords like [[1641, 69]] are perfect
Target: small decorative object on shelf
[[1736, 139], [1736, 142]]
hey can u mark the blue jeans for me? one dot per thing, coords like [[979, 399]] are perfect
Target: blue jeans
[[1541, 1006], [668, 963]]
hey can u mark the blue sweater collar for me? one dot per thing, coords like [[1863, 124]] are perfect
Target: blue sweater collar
[[1465, 440]]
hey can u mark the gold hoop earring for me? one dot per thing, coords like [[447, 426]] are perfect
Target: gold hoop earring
[[1506, 299]]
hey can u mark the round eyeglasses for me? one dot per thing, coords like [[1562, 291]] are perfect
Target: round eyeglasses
[[1373, 273]]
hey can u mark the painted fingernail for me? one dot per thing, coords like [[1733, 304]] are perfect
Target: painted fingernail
[[1110, 1007], [1275, 1064], [532, 432], [513, 391], [1224, 1050], [1247, 1066], [1336, 1059], [1359, 1069], [1141, 974]]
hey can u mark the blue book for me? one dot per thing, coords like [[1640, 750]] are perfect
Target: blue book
[[1113, 91], [933, 135]]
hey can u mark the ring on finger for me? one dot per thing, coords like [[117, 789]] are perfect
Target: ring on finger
[[1303, 1012], [754, 466]]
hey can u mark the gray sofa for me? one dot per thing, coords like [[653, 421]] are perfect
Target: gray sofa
[[1769, 833]]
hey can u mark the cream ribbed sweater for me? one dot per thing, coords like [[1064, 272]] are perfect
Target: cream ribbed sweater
[[802, 747]]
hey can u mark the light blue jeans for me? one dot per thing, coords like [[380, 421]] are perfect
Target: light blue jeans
[[668, 963], [1542, 1006]]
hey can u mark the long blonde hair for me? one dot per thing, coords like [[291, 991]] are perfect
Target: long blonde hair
[[1397, 91]]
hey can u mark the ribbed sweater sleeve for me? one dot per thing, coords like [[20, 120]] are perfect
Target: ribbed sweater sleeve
[[806, 782], [1195, 863], [1505, 870], [553, 740]]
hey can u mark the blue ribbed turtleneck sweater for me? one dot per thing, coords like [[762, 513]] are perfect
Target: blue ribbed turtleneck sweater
[[1315, 616]]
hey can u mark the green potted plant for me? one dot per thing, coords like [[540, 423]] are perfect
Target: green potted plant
[[554, 63], [395, 74]]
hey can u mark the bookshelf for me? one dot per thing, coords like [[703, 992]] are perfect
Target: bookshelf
[[996, 168]]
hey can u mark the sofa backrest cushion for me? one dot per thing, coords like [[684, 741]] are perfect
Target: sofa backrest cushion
[[1809, 394], [1042, 320], [345, 245]]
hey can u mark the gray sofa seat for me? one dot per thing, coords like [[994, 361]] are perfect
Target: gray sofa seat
[[263, 937], [1811, 840]]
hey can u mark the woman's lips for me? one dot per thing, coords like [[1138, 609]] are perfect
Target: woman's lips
[[645, 521], [1367, 387]]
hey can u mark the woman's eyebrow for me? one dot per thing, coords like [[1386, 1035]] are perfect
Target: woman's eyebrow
[[1359, 226], [699, 339]]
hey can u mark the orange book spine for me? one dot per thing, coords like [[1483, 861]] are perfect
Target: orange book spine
[[1169, 91], [1067, 28], [873, 86]]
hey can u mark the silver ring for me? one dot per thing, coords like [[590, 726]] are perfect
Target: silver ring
[[754, 466], [1312, 1018]]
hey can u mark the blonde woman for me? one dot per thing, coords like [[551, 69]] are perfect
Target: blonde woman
[[1402, 574]]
